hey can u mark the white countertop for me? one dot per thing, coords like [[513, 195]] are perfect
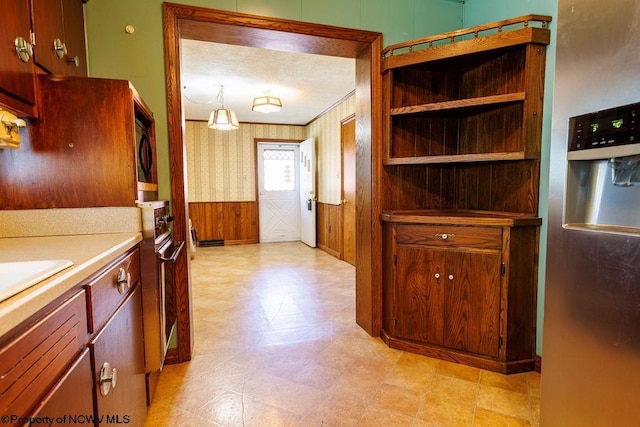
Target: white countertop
[[91, 238], [89, 253]]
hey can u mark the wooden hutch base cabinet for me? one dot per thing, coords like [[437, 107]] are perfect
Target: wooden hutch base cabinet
[[461, 168]]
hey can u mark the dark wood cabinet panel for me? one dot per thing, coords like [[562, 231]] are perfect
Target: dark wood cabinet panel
[[448, 298], [120, 344], [469, 297], [82, 150], [73, 18], [47, 364], [32, 362], [472, 302], [419, 305], [59, 34], [72, 395], [105, 293], [17, 89], [49, 35], [53, 33]]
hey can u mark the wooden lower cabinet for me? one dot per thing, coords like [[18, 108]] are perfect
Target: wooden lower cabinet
[[33, 360], [462, 293], [71, 399], [118, 364], [448, 298], [52, 365]]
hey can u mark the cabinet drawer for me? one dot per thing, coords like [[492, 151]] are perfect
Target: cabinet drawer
[[104, 294], [450, 236], [35, 360]]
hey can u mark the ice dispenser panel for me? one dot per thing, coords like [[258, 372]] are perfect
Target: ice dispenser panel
[[603, 173]]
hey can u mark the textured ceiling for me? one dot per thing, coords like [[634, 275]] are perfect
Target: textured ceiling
[[307, 84]]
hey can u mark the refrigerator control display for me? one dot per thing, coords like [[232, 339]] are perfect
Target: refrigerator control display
[[615, 126]]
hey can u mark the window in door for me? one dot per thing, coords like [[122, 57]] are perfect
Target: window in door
[[279, 170]]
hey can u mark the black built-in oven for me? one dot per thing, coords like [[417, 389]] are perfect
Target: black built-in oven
[[158, 254]]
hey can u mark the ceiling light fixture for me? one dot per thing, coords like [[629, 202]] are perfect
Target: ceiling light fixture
[[266, 103], [223, 118]]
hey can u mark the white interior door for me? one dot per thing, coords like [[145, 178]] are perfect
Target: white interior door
[[308, 192], [279, 192]]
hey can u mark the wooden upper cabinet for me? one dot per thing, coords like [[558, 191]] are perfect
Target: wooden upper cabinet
[[82, 150], [73, 16], [16, 76], [58, 26]]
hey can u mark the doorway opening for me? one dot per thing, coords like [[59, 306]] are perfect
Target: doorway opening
[[190, 22], [279, 192]]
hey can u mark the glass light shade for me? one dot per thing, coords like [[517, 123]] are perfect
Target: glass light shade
[[266, 104], [223, 119]]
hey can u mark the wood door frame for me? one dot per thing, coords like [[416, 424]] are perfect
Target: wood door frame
[[342, 123], [197, 23]]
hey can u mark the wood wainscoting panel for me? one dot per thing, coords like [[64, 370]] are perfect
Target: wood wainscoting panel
[[329, 229], [233, 222]]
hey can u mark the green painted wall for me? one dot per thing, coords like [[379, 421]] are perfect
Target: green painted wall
[[139, 57], [478, 12]]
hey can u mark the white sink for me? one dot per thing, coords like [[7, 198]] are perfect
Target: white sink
[[15, 277]]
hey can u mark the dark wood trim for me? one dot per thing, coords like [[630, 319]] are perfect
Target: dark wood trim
[[255, 123], [329, 250], [459, 356], [335, 104], [241, 242], [368, 196], [190, 22], [538, 364], [177, 163], [172, 357], [348, 118]]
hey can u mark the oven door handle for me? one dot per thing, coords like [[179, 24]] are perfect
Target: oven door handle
[[174, 255]]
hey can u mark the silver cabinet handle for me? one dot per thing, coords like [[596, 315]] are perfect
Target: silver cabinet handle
[[60, 48], [123, 281], [24, 50], [75, 61], [451, 277], [108, 378], [445, 236]]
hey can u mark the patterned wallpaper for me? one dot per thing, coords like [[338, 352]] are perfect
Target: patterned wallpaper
[[326, 130], [221, 165]]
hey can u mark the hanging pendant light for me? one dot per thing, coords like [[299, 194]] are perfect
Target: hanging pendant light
[[266, 103], [223, 118]]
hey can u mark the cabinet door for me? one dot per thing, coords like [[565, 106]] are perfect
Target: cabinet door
[[35, 360], [59, 29], [72, 395], [472, 302], [120, 344], [419, 294], [16, 76], [50, 50], [73, 20]]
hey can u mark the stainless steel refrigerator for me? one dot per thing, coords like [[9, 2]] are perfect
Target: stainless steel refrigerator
[[591, 337]]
